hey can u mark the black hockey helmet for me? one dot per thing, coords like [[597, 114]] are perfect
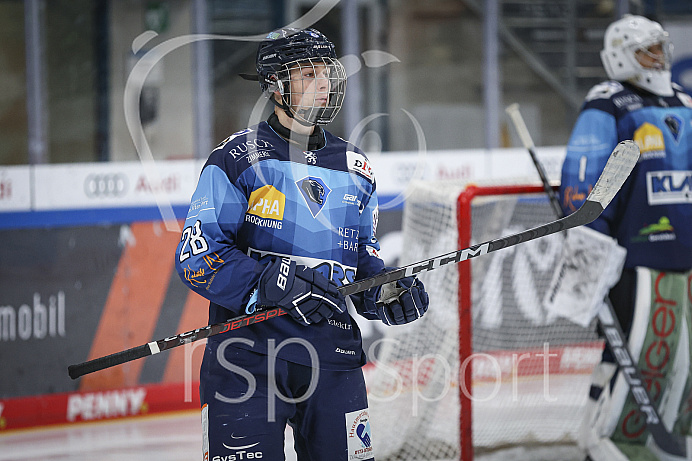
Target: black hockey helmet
[[286, 48]]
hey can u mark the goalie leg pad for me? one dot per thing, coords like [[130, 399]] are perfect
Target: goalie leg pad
[[659, 343]]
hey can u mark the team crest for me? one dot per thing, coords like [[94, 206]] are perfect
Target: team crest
[[674, 124], [315, 193]]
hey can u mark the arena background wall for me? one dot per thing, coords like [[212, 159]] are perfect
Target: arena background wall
[[87, 270]]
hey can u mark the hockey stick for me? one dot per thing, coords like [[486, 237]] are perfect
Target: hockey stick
[[523, 132], [673, 444], [617, 169]]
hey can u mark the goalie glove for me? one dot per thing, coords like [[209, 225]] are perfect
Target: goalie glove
[[402, 301], [305, 294]]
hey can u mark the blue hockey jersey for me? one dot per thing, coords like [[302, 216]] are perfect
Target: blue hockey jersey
[[651, 216], [259, 197]]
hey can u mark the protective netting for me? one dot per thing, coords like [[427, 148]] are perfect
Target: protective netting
[[530, 369]]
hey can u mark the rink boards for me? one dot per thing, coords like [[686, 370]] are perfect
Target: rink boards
[[87, 270]]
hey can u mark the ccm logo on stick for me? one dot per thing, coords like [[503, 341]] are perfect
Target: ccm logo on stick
[[457, 256]]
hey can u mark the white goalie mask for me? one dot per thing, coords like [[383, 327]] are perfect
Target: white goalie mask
[[627, 37]]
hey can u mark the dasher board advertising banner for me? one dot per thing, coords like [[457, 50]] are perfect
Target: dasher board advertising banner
[[71, 294], [114, 184]]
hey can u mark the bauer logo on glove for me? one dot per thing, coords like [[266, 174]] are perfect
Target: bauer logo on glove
[[305, 294], [284, 271]]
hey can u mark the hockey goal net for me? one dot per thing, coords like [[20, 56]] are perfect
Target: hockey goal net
[[487, 367]]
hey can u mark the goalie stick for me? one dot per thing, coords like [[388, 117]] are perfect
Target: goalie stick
[[673, 444], [523, 132], [616, 171]]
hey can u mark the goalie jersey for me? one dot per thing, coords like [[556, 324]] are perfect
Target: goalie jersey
[[651, 216], [258, 198]]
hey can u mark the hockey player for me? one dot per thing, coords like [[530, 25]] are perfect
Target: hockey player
[[284, 213], [652, 218]]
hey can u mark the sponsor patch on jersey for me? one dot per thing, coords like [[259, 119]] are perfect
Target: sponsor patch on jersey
[[349, 199], [661, 231], [630, 102], [573, 196], [315, 192], [267, 202], [254, 149], [649, 138], [669, 187], [359, 435], [359, 164]]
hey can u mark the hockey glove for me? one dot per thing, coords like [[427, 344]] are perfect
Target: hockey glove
[[302, 292], [402, 301]]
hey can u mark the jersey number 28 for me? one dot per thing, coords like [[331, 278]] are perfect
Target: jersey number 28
[[192, 237]]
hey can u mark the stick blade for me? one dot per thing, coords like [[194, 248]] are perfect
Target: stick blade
[[616, 171]]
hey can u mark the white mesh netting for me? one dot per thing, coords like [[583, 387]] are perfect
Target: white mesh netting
[[530, 369]]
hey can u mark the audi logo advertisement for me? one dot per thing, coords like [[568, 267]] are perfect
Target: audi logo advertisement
[[105, 185], [122, 184]]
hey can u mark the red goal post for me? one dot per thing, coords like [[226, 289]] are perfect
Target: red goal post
[[464, 221]]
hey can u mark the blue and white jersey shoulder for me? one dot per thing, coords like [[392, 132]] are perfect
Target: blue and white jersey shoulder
[[652, 215]]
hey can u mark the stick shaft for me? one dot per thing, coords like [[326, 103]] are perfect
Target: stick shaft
[[518, 121], [154, 347], [587, 213]]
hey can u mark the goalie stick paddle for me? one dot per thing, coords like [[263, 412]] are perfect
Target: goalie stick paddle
[[617, 169], [673, 444]]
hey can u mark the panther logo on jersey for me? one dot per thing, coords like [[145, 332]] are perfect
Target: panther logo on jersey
[[674, 124], [315, 193], [313, 190]]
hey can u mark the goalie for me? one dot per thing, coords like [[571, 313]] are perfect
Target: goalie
[[284, 214], [651, 217]]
